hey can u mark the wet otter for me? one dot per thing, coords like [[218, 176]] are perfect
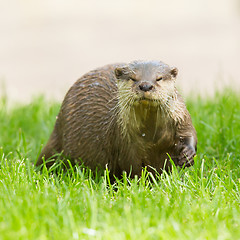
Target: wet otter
[[126, 116]]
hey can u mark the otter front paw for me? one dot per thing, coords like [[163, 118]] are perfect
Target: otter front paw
[[186, 157]]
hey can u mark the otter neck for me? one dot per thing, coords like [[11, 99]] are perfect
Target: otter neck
[[147, 122]]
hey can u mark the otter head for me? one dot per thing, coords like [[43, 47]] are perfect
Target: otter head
[[146, 82], [146, 94]]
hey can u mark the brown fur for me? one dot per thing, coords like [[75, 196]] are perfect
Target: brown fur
[[125, 116]]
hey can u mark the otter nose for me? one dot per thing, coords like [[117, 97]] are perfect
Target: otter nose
[[146, 87]]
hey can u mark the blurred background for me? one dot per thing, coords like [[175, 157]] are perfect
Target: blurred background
[[46, 45]]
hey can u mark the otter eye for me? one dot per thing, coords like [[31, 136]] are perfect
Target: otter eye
[[159, 79], [133, 79]]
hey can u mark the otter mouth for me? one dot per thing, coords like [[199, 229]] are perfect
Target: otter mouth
[[145, 99]]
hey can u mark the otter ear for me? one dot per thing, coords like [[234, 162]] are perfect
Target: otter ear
[[174, 72], [121, 71], [118, 72]]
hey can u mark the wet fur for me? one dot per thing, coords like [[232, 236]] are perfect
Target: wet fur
[[104, 120]]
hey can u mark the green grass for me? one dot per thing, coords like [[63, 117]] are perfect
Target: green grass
[[201, 202]]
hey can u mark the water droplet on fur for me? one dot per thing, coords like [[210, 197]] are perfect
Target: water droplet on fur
[[143, 134], [82, 85], [94, 84]]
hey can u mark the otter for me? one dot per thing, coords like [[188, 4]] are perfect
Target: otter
[[125, 116]]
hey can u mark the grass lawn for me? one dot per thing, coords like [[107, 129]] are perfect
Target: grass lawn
[[201, 202]]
